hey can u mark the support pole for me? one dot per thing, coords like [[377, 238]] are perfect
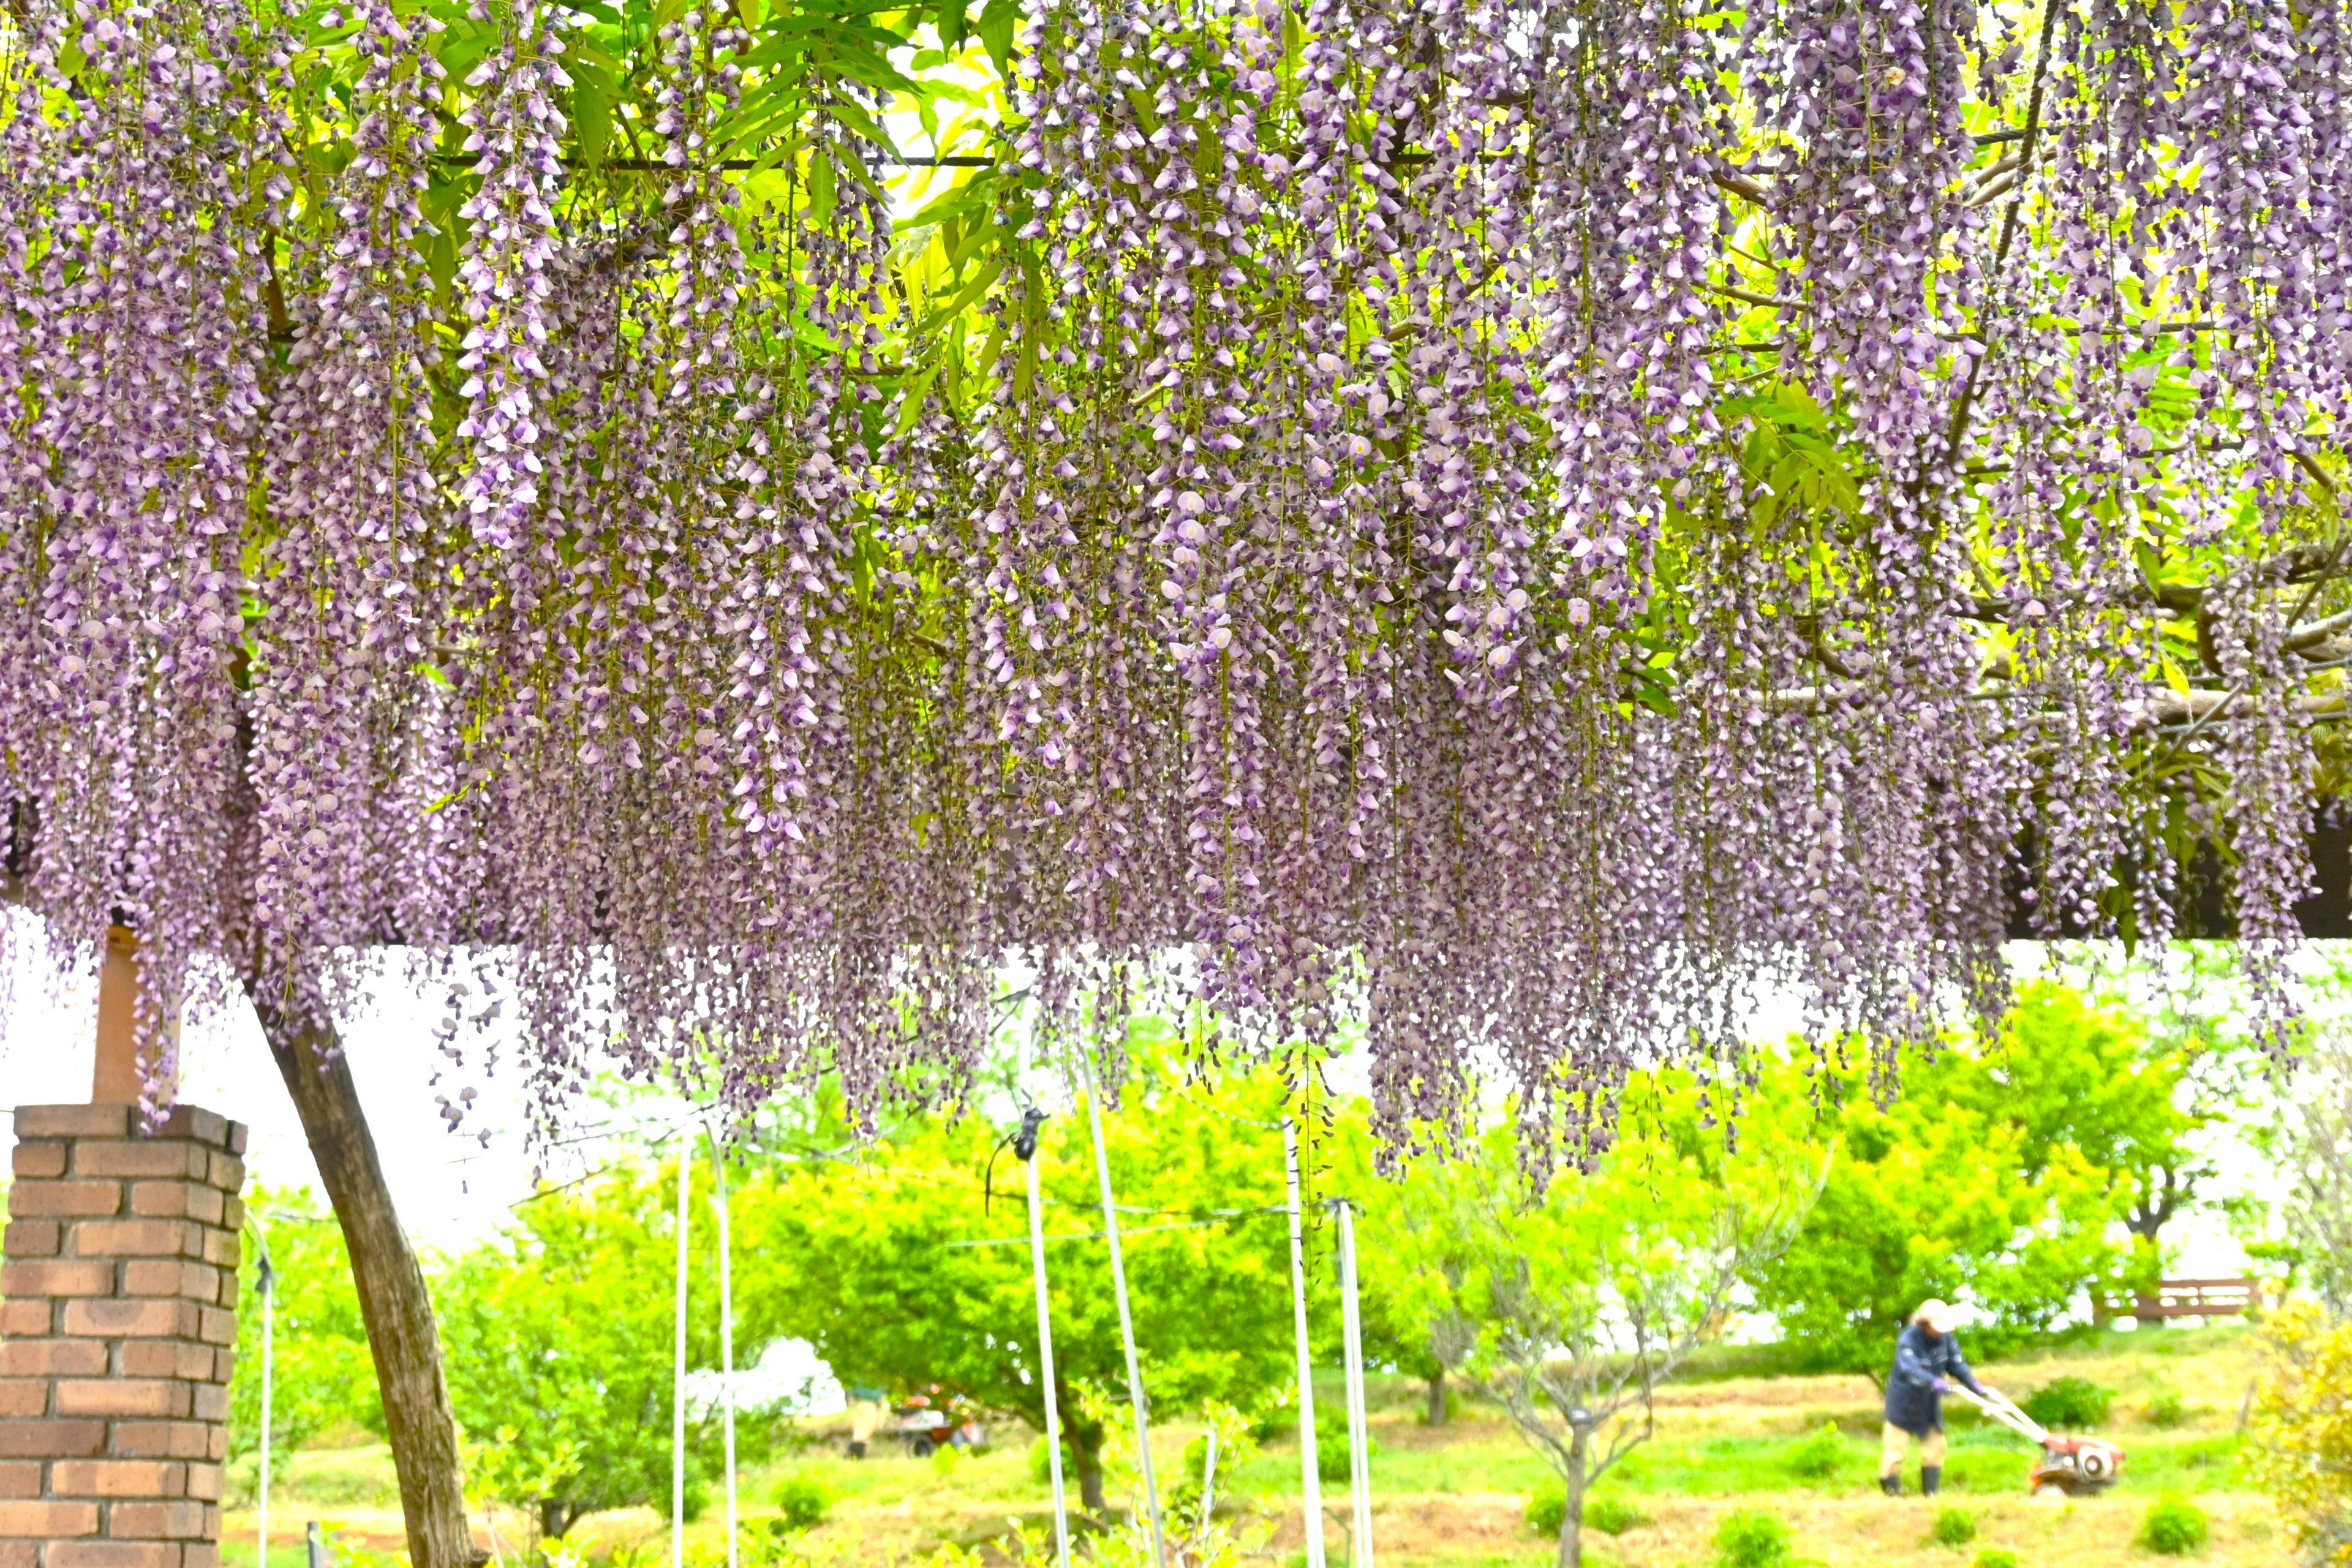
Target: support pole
[[1045, 1364], [726, 1348], [1359, 1458], [114, 1077], [1126, 1321], [265, 1285], [1310, 1479], [677, 1379]]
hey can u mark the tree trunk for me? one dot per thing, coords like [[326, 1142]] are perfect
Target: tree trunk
[[394, 1303], [1437, 1397], [1571, 1518], [556, 1515], [1085, 1439]]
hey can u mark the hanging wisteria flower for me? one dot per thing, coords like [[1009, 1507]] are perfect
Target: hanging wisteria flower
[[1514, 529]]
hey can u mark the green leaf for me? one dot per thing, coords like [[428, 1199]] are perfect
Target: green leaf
[[820, 186], [954, 26], [592, 92], [997, 19], [916, 393]]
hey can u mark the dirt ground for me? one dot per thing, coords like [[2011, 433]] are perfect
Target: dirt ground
[[1455, 1496]]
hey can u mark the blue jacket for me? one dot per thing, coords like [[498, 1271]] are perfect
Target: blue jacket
[[1920, 1358]]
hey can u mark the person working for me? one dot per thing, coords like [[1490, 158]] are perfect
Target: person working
[[1927, 1363]]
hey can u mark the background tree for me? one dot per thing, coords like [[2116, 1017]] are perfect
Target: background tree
[[1582, 1297], [1934, 1194], [2131, 1065], [559, 1338], [321, 1374], [874, 1262]]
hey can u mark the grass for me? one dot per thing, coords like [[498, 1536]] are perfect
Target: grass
[[1455, 1497]]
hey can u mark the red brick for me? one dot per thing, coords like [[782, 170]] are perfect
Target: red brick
[[204, 1482], [20, 1554], [228, 1288], [232, 1212], [57, 1278], [38, 1161], [164, 1440], [156, 1521], [221, 1250], [32, 1238], [50, 1519], [137, 1238], [142, 1478], [20, 1477], [65, 1200], [170, 1276], [138, 1318], [52, 1439], [227, 1171], [215, 1443], [23, 1396], [142, 1158], [52, 1358], [176, 1200], [196, 1122], [218, 1328], [236, 1136], [26, 1317], [117, 1555], [73, 1121], [122, 1397], [200, 1554], [211, 1402], [166, 1358]]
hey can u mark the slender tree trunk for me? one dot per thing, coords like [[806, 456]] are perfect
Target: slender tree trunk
[[1571, 1518], [394, 1303], [1437, 1397], [1086, 1440]]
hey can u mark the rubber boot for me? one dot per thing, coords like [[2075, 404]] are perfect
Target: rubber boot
[[1890, 1483], [1931, 1479]]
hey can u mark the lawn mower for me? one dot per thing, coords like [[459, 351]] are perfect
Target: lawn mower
[[2069, 1467]]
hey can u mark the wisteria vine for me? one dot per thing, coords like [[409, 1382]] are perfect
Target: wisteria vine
[[1512, 525]]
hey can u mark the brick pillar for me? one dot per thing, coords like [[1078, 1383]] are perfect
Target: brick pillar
[[118, 1324]]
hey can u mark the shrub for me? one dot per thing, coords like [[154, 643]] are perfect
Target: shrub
[[1955, 1527], [1332, 1445], [2068, 1402], [2164, 1411], [2175, 1527], [1042, 1472], [1613, 1515], [1996, 1557], [1606, 1513], [944, 1460], [2303, 1427], [1751, 1538], [1820, 1455], [801, 1501]]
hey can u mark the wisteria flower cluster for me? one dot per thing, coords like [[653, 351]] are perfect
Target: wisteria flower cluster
[[1516, 528]]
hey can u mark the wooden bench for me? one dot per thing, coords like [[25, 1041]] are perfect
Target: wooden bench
[[2190, 1299]]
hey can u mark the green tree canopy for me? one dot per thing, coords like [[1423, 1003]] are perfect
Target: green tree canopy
[[902, 1274], [1571, 1304], [1974, 1185], [560, 1352], [320, 1372]]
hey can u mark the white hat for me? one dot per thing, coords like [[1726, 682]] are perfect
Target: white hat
[[1938, 1315]]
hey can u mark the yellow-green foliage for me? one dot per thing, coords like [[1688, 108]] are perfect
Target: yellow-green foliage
[[2306, 1426]]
